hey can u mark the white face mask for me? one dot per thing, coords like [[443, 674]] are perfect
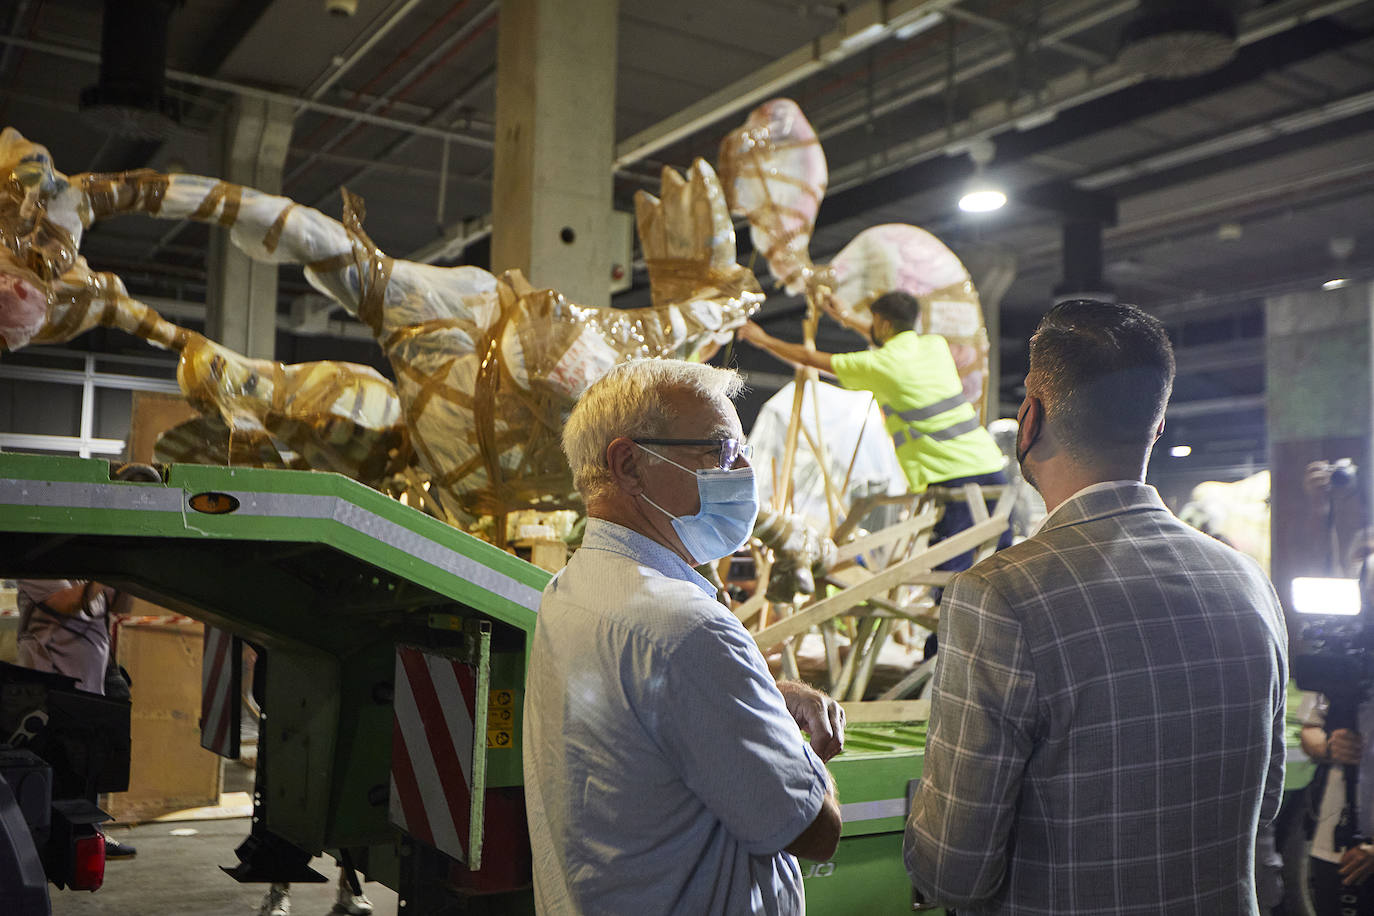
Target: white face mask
[[729, 505]]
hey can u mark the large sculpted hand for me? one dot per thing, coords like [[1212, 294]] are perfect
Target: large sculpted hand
[[689, 246]]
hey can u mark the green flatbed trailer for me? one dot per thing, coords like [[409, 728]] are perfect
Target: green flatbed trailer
[[333, 578]]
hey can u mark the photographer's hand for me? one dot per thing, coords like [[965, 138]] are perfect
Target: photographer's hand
[[1345, 747], [1357, 864]]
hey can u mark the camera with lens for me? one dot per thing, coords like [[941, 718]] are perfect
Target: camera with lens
[[1336, 636], [1336, 628]]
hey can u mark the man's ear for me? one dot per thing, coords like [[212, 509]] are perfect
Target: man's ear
[[622, 457], [1028, 425]]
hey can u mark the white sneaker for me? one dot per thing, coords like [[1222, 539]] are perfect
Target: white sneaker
[[350, 903], [277, 902]]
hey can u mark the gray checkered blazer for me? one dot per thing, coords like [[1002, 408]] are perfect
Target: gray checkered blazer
[[1106, 728]]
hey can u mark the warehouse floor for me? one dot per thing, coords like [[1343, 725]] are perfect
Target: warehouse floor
[[178, 875]]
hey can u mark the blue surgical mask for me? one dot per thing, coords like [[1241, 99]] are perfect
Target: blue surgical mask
[[729, 505]]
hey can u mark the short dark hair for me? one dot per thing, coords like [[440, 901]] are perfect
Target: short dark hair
[[900, 308], [1103, 372]]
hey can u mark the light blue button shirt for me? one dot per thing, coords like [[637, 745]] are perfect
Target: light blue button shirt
[[663, 773]]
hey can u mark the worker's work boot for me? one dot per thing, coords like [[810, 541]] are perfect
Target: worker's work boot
[[277, 902], [351, 903]]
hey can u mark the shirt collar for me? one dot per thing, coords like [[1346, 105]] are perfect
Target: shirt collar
[[1108, 497], [601, 534]]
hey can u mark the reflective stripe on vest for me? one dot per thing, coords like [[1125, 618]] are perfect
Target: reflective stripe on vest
[[926, 413], [900, 437]]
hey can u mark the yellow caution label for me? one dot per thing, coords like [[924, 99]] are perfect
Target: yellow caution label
[[498, 717], [502, 698], [500, 737]]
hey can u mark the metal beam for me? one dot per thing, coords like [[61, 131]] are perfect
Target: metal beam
[[1208, 406], [862, 26], [1044, 41], [917, 168], [253, 92]]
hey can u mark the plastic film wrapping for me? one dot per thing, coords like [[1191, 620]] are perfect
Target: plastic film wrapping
[[486, 370], [328, 415], [773, 170]]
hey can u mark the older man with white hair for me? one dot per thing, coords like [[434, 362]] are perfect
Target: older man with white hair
[[664, 769]]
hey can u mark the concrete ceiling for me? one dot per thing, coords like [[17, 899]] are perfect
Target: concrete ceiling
[[1227, 186]]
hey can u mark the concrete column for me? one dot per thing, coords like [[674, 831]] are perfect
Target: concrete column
[[993, 270], [555, 139], [1320, 402], [242, 299]]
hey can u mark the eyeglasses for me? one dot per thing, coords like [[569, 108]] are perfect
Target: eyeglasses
[[731, 450]]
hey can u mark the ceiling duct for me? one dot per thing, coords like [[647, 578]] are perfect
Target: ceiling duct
[[1174, 39], [129, 99]]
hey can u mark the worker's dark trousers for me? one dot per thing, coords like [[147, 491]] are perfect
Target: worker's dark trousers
[[957, 517]]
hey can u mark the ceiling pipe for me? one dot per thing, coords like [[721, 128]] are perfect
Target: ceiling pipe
[[451, 44], [390, 19], [862, 26], [253, 92]]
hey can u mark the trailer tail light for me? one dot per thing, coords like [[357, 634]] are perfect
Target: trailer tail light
[[88, 862]]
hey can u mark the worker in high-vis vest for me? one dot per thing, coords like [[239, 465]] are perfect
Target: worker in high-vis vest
[[935, 430]]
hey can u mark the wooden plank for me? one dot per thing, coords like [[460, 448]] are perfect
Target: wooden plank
[[880, 583], [856, 713], [886, 536], [749, 607], [977, 507]]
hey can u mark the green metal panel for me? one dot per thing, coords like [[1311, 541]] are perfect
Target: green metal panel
[[865, 876], [325, 573], [866, 873]]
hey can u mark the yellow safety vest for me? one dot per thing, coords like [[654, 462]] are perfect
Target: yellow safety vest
[[934, 429]]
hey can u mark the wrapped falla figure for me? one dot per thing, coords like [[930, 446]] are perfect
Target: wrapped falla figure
[[486, 367], [897, 285]]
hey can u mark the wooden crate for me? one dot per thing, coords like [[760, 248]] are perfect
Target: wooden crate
[[168, 769]]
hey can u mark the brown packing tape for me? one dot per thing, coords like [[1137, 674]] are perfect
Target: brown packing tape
[[409, 332], [274, 232], [209, 203], [332, 263], [233, 195]]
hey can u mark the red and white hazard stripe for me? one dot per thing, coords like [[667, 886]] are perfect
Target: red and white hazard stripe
[[220, 686], [431, 749]]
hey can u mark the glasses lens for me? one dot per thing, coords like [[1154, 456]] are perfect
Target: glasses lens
[[731, 451]]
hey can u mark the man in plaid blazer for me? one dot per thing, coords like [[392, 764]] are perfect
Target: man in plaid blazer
[[1106, 729]]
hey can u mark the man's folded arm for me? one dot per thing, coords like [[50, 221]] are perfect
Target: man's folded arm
[[820, 839]]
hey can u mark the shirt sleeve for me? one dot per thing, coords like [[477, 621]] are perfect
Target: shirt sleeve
[[39, 590], [982, 723], [736, 746], [857, 370]]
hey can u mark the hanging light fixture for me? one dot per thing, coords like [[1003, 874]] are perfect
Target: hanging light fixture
[[981, 195]]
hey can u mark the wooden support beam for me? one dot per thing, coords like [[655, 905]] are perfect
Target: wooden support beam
[[889, 578], [887, 711]]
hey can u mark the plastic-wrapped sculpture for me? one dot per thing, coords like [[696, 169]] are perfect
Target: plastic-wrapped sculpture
[[332, 416], [774, 173], [486, 367]]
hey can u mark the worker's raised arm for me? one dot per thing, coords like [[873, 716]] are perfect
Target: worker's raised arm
[[751, 333]]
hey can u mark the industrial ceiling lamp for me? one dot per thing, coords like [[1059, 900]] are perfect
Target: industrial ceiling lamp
[[1174, 39], [980, 194], [1340, 247]]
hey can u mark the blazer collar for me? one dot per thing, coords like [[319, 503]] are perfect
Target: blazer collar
[[1100, 502]]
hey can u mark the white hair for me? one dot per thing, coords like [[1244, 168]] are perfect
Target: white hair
[[630, 401]]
